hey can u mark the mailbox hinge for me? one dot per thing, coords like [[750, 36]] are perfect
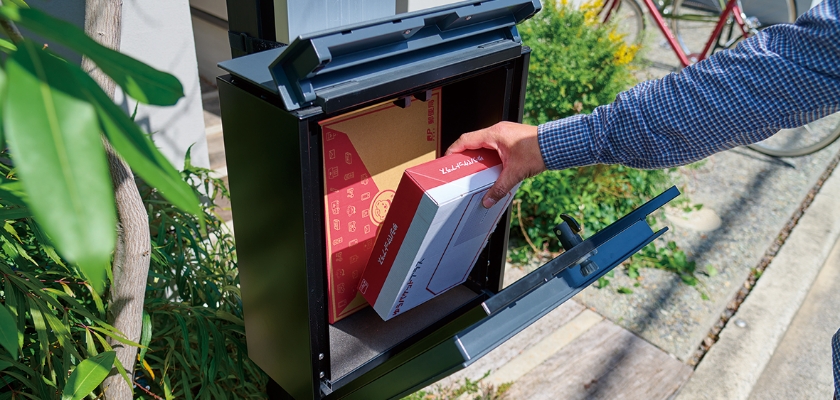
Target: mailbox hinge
[[249, 44], [326, 387]]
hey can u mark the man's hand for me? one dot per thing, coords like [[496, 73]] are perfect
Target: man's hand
[[518, 148]]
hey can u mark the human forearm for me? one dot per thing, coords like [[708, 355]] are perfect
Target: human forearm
[[784, 77]]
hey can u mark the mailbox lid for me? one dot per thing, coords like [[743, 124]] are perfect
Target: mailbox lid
[[321, 67], [513, 309]]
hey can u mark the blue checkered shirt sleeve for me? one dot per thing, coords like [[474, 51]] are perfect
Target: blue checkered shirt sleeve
[[784, 77]]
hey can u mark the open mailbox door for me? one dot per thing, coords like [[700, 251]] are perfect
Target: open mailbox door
[[435, 73], [508, 312]]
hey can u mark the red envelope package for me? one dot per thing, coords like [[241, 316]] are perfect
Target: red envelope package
[[434, 232], [365, 153]]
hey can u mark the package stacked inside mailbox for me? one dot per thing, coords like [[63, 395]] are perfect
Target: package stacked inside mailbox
[[434, 232], [365, 153]]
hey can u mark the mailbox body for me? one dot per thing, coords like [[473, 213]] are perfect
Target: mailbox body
[[272, 104], [275, 173]]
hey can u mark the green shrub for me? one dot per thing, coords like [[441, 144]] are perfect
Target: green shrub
[[197, 347], [193, 326], [577, 65]]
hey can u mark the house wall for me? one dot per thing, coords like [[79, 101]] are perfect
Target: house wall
[[159, 33]]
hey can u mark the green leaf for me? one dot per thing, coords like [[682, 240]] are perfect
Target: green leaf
[[8, 332], [3, 85], [145, 335], [167, 392], [54, 135], [4, 365], [711, 270], [624, 290], [40, 328], [117, 364], [88, 375], [138, 80], [221, 314], [185, 334], [7, 46], [137, 149], [97, 301], [60, 330], [116, 335], [13, 192]]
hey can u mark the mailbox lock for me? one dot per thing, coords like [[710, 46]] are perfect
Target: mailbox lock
[[568, 232]]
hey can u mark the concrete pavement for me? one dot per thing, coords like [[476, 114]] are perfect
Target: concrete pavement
[[801, 365], [779, 340]]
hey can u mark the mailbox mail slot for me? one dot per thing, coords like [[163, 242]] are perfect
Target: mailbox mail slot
[[272, 103]]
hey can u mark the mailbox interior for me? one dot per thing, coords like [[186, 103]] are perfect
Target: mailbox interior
[[276, 178], [361, 341]]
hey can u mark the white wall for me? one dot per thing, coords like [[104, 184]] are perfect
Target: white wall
[[159, 33], [296, 17]]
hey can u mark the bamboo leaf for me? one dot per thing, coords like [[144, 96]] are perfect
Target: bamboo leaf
[[88, 375], [97, 301], [8, 227], [116, 335], [185, 334], [90, 346], [77, 307], [12, 191], [3, 85], [137, 149], [5, 364], [46, 244], [8, 331], [203, 345], [185, 381], [14, 301], [7, 46], [167, 392], [145, 335], [54, 135], [8, 213], [221, 314], [41, 329], [60, 330], [117, 364], [138, 80]]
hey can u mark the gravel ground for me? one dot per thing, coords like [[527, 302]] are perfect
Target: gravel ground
[[753, 195]]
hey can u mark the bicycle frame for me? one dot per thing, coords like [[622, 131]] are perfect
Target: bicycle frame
[[688, 59]]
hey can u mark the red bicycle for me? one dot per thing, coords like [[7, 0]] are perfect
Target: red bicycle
[[696, 29]]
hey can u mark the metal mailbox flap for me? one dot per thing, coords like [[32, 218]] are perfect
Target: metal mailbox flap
[[524, 302], [389, 48]]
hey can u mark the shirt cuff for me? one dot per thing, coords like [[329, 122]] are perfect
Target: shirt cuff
[[566, 143]]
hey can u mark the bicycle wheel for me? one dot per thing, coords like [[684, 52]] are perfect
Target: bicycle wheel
[[694, 21], [803, 140], [628, 18]]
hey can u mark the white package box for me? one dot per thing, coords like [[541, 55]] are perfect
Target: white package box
[[434, 231]]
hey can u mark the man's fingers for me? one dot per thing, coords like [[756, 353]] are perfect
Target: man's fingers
[[500, 189], [470, 141]]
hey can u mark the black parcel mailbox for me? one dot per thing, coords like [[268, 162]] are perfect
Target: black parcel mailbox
[[274, 104]]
